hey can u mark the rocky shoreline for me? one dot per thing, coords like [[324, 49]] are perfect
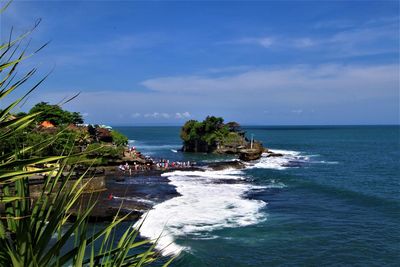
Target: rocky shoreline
[[120, 197], [116, 192], [124, 198]]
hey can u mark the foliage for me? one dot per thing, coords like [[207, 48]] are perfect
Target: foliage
[[104, 151], [55, 114], [118, 138], [206, 135], [35, 231], [61, 140]]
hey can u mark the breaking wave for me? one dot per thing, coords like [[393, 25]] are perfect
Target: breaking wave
[[207, 202], [211, 200]]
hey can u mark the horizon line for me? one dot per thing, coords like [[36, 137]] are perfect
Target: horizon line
[[258, 125]]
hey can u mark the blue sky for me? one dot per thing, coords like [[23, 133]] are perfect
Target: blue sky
[[256, 62]]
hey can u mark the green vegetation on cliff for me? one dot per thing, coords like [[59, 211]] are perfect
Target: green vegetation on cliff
[[211, 135], [101, 146], [67, 133], [34, 230], [55, 114]]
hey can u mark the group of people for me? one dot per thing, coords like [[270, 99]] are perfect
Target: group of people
[[134, 153], [150, 163], [165, 164], [135, 167], [162, 164]]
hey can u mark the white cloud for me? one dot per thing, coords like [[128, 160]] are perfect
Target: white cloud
[[182, 115], [297, 111], [152, 115], [136, 115], [304, 42], [349, 39], [247, 94], [295, 84], [157, 115], [264, 41], [164, 115]]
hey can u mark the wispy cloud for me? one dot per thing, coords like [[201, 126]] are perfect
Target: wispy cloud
[[348, 39], [297, 111], [303, 80], [283, 91], [136, 115], [77, 54], [164, 115], [157, 115], [264, 41], [183, 115], [334, 24]]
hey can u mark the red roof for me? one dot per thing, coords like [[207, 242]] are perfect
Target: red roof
[[47, 124]]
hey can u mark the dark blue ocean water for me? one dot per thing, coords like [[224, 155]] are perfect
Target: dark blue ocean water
[[332, 200]]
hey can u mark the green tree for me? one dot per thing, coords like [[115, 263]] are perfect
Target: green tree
[[55, 114], [76, 118], [205, 136]]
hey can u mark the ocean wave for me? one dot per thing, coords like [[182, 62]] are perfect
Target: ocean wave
[[201, 207], [216, 160], [272, 184], [288, 159]]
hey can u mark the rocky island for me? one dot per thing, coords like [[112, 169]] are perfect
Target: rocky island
[[212, 135]]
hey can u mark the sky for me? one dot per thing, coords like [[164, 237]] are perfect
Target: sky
[[254, 62]]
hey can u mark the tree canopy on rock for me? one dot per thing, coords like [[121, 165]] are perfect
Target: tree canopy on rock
[[206, 135], [55, 114]]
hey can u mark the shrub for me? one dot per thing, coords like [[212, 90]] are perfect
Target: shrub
[[118, 138]]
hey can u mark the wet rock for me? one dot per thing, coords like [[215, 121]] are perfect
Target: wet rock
[[272, 154], [250, 154], [217, 166]]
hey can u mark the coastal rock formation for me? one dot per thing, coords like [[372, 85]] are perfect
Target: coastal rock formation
[[222, 165], [272, 154], [249, 154], [214, 136]]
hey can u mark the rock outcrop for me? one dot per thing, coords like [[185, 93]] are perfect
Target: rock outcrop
[[222, 165], [214, 136], [249, 154]]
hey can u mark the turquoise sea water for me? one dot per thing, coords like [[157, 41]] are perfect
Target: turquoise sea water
[[332, 200]]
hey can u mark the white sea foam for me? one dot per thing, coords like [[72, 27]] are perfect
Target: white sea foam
[[136, 199], [203, 206], [209, 201], [288, 159], [326, 162]]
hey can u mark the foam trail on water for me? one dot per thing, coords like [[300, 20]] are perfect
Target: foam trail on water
[[206, 203]]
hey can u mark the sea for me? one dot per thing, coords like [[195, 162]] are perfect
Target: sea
[[332, 199]]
